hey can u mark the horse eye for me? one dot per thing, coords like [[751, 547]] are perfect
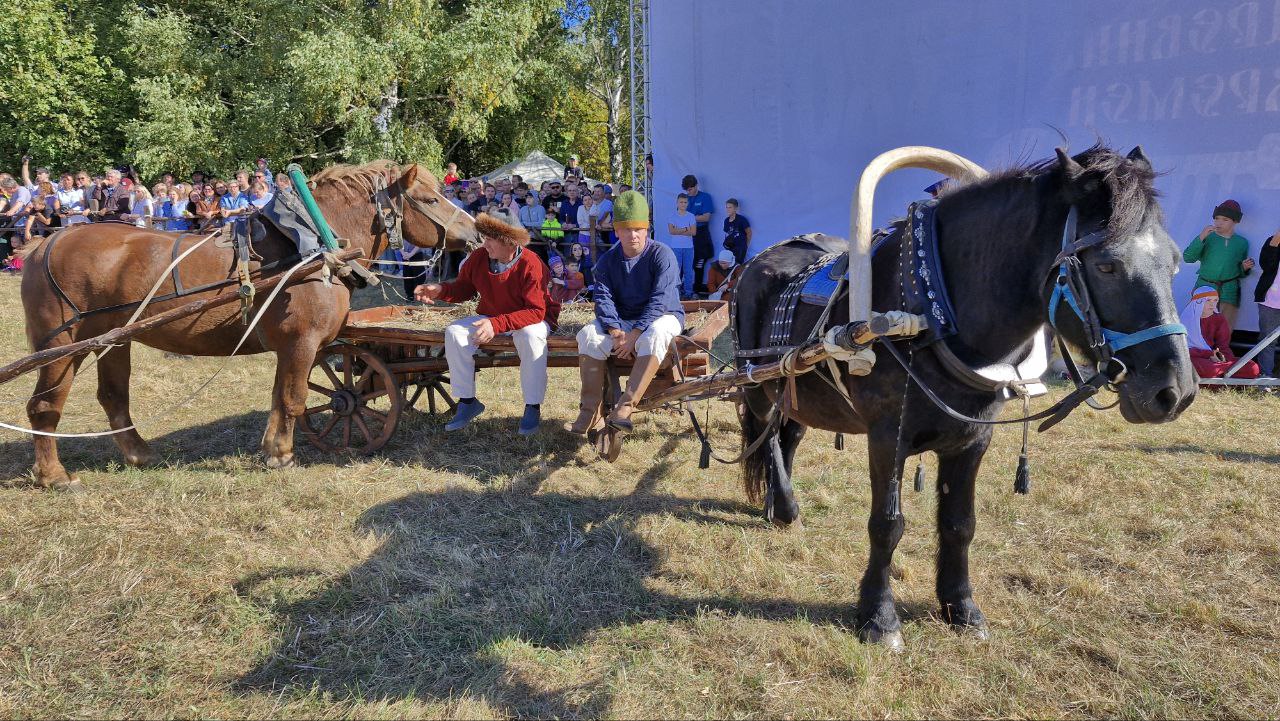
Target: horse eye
[[432, 201], [1107, 267]]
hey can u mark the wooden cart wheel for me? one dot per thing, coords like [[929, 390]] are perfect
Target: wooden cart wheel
[[353, 403], [435, 386]]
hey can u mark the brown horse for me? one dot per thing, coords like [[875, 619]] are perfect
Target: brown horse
[[113, 264]]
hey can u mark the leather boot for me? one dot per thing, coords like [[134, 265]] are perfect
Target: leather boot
[[589, 408], [642, 373]]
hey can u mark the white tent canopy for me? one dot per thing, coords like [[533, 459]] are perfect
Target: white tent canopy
[[536, 168]]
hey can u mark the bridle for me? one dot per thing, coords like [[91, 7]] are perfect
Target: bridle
[[1072, 287], [391, 213], [1069, 286]]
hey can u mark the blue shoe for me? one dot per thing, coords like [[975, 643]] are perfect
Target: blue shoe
[[466, 413], [530, 421]]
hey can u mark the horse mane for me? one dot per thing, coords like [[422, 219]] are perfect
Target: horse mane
[[1130, 185], [361, 177]]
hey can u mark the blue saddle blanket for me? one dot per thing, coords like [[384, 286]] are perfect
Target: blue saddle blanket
[[824, 282]]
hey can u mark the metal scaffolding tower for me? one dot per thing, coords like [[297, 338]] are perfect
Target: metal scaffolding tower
[[638, 61]]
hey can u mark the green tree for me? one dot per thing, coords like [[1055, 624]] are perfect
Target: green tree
[[60, 99]]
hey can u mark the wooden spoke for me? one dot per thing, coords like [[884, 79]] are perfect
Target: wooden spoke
[[371, 414], [364, 430], [314, 410], [320, 389], [347, 361], [373, 395], [328, 426], [346, 432], [328, 370]]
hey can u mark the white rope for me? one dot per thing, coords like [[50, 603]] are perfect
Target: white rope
[[145, 301], [163, 414]]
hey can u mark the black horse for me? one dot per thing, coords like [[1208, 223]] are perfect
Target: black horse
[[998, 240]]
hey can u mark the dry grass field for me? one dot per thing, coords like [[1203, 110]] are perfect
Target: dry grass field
[[480, 574]]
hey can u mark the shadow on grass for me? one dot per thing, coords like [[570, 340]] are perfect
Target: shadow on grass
[[472, 592], [1189, 449], [217, 440]]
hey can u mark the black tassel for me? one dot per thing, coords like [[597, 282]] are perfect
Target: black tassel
[[839, 441], [704, 458], [1022, 483], [919, 477]]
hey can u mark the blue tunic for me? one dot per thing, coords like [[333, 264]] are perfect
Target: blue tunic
[[639, 290]]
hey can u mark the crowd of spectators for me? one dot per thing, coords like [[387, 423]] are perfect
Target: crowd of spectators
[[32, 207], [569, 220]]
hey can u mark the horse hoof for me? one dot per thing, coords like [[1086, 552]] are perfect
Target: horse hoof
[[977, 633], [276, 462], [72, 485], [792, 525], [891, 640], [146, 458]]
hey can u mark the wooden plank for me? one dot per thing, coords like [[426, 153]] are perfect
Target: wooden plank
[[123, 333]]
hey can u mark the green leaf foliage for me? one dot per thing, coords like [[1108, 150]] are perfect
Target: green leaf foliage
[[183, 85]]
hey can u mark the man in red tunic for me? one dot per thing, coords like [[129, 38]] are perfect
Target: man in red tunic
[[1209, 337], [511, 281]]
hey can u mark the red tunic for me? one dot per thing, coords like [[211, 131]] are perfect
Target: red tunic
[[512, 299], [1217, 334]]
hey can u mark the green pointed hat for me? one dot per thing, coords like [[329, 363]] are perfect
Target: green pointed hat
[[630, 210]]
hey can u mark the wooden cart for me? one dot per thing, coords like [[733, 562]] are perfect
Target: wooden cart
[[362, 382]]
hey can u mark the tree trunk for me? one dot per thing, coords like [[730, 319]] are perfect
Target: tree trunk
[[613, 108]]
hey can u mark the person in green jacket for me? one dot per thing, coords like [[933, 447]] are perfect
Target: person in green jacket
[[1223, 257]]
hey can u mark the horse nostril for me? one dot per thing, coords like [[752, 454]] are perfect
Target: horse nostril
[[1165, 401]]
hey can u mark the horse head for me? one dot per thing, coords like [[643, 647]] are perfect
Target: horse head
[[430, 220], [1117, 263]]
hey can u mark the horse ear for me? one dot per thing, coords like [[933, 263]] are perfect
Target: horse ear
[[409, 176], [1137, 156], [1070, 167]]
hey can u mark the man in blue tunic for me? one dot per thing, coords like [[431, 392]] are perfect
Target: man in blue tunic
[[638, 314]]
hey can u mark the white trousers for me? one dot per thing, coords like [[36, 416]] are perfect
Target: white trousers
[[460, 348], [594, 341]]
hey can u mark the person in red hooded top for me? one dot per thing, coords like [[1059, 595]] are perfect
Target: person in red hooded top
[[1209, 337], [512, 283]]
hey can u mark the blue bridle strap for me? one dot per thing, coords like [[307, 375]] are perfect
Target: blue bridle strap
[[1112, 340]]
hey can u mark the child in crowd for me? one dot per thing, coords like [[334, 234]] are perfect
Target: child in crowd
[[681, 227], [1223, 257], [720, 275], [737, 232], [1267, 296], [1209, 337]]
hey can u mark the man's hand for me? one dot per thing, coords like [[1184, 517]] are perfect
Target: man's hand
[[626, 348], [1275, 240], [1205, 233], [1247, 264], [427, 292], [484, 330]]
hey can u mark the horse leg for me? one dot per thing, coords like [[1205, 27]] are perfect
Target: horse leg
[[113, 394], [957, 474], [44, 410], [780, 498], [877, 617], [289, 400]]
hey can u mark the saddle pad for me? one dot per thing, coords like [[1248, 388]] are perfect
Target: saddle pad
[[286, 212], [820, 286]]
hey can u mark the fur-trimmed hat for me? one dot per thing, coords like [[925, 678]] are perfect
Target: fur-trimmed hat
[[491, 227]]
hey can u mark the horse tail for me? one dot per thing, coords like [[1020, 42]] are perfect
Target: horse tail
[[755, 476]]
